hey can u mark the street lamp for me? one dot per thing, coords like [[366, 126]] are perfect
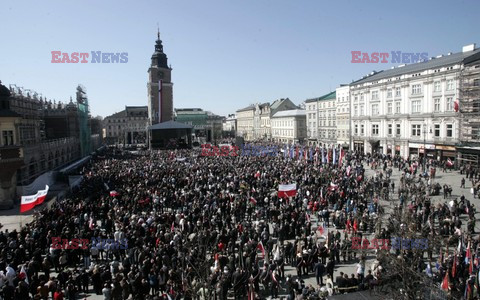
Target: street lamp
[[425, 129]]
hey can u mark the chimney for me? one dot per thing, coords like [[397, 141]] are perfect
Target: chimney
[[467, 48]]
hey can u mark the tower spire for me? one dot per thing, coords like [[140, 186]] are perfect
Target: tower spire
[[158, 31]]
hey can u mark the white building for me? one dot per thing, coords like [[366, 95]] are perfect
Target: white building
[[254, 121], [245, 122], [343, 116], [230, 123], [408, 108], [321, 120], [289, 126]]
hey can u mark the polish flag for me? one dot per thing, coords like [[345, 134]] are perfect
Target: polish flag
[[257, 175], [287, 190], [456, 105], [261, 248], [23, 274], [253, 201], [114, 194], [349, 169], [29, 202]]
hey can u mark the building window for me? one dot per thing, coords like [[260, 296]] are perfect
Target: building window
[[375, 95], [355, 110], [476, 82], [449, 106], [356, 99], [397, 107], [7, 138], [450, 85], [398, 129], [374, 109], [416, 107], [416, 129], [362, 129], [436, 86], [374, 129], [389, 108], [416, 89], [390, 129], [436, 130], [356, 129], [397, 92], [449, 130], [436, 105], [389, 93], [361, 110]]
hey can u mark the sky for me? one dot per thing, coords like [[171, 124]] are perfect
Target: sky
[[225, 54]]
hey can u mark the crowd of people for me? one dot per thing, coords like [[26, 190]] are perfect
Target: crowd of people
[[201, 227]]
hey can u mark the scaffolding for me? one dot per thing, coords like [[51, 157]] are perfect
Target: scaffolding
[[83, 117], [469, 107]]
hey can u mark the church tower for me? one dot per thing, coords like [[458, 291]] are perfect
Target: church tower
[[160, 87]]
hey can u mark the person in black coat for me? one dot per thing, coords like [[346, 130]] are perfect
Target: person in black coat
[[330, 267], [319, 270]]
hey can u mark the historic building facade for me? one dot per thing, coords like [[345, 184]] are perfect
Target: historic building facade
[[321, 120], [289, 126], [409, 110], [160, 87], [38, 136], [127, 127]]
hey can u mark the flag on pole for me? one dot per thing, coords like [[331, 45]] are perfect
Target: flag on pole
[[323, 156], [342, 153], [287, 190], [334, 159], [445, 283], [468, 254], [296, 152]]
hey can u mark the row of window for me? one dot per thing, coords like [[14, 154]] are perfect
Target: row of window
[[7, 138], [416, 89], [416, 130], [416, 107]]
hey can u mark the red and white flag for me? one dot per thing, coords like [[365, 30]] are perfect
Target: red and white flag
[[449, 163], [456, 105], [287, 190], [172, 228], [29, 202], [261, 248], [23, 274], [114, 194], [253, 201]]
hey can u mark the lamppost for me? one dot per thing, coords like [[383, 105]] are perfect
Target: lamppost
[[425, 130]]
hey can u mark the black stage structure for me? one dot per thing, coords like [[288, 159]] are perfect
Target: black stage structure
[[170, 135]]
